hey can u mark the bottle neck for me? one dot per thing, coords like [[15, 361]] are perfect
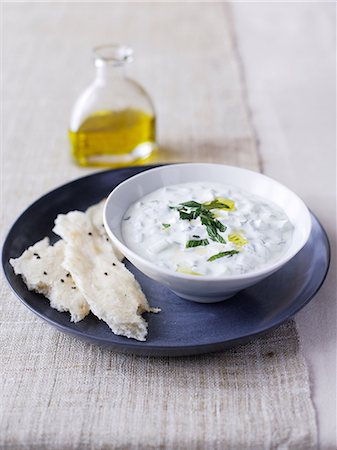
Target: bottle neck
[[109, 73]]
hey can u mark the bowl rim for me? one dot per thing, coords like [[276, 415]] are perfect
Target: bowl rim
[[264, 271]]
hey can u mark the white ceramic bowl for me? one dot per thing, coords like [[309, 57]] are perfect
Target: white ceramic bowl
[[204, 289]]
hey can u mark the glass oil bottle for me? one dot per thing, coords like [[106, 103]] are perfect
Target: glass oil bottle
[[113, 122]]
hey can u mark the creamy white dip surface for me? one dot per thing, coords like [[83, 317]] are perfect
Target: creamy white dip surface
[[207, 229]]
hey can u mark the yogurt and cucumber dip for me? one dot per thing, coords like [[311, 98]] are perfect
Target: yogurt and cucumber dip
[[207, 229]]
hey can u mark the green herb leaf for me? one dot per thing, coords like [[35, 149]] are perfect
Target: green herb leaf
[[188, 215], [166, 225], [219, 225], [200, 242], [191, 204], [229, 253], [214, 235], [212, 229]]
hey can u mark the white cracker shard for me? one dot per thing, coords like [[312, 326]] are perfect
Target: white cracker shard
[[111, 290], [95, 215], [41, 269]]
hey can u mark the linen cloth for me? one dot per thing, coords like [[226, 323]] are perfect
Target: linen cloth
[[59, 393]]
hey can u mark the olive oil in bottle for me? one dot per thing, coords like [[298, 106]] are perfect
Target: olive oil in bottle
[[114, 138], [113, 121]]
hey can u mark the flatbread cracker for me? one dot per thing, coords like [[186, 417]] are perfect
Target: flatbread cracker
[[41, 269], [95, 215], [111, 290]]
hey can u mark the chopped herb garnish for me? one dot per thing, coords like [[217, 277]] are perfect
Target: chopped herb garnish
[[212, 226], [220, 226], [228, 253], [191, 210], [200, 242], [166, 225], [185, 215], [191, 204]]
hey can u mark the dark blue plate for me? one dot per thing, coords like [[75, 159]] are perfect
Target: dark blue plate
[[182, 327]]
